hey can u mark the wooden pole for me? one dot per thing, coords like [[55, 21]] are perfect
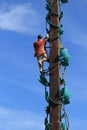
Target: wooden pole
[[55, 72]]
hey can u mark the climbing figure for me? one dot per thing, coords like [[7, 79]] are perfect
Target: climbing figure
[[40, 52]]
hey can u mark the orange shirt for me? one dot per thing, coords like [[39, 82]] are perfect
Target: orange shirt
[[39, 47]]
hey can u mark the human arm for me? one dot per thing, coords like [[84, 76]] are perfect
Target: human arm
[[47, 37]]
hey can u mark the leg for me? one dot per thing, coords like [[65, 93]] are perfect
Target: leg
[[39, 59], [44, 57]]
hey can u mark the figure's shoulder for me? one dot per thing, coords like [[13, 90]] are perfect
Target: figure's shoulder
[[35, 42]]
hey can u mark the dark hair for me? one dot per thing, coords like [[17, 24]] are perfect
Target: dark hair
[[39, 36]]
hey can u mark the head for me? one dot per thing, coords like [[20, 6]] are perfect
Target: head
[[39, 36]]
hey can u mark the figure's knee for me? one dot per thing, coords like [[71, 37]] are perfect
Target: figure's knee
[[45, 57]]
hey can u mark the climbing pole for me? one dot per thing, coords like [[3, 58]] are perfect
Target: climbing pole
[[53, 77]]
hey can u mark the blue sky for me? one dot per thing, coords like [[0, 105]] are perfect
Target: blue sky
[[22, 102]]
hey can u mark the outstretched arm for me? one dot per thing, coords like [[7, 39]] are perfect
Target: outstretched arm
[[47, 37]]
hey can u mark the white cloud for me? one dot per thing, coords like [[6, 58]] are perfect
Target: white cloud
[[78, 36], [77, 123], [19, 120], [75, 24], [77, 88], [19, 18], [81, 96], [18, 83]]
